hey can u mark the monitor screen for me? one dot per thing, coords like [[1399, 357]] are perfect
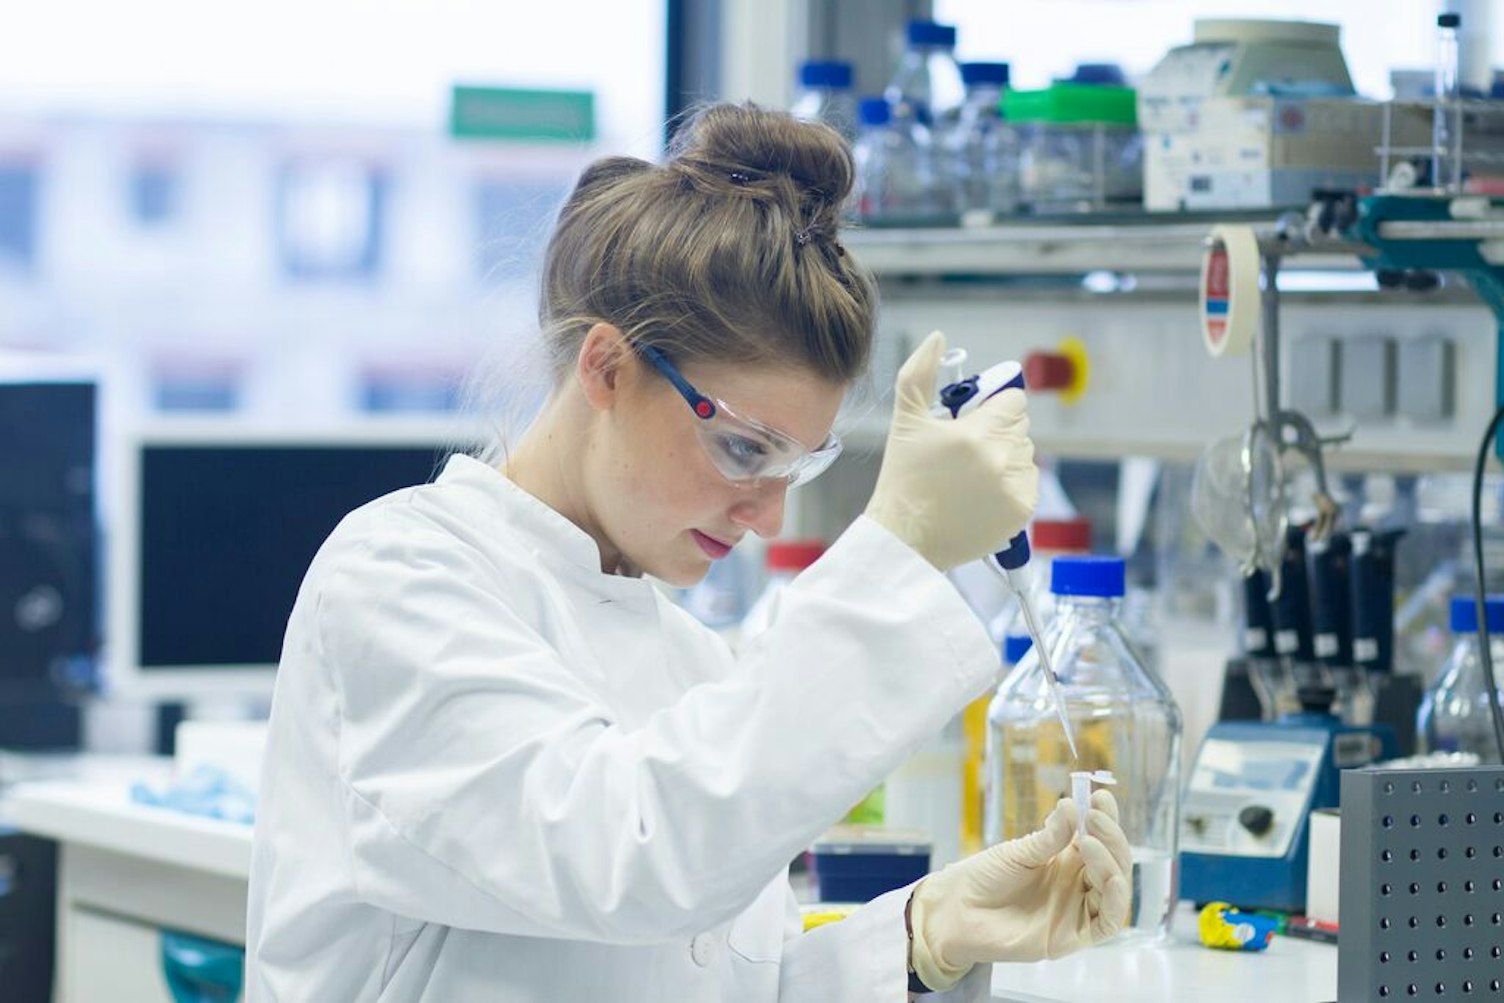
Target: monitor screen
[[47, 535], [218, 535]]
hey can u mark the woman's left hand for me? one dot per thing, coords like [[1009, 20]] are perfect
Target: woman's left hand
[[1040, 896]]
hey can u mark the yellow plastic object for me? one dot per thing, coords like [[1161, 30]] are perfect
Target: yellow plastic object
[[1075, 349], [827, 914], [1225, 928], [974, 730]]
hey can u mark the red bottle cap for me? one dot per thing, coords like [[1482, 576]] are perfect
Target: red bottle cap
[[793, 555], [1062, 534]]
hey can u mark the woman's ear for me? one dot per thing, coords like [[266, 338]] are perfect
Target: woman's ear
[[599, 364]]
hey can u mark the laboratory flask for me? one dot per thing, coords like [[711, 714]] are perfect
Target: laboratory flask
[[980, 149], [927, 86], [1124, 718], [895, 168], [1454, 716], [825, 95]]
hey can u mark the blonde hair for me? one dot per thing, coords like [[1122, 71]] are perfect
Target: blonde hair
[[728, 251]]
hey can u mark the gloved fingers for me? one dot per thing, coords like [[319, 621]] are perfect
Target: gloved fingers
[[1100, 863], [915, 387], [1036, 849], [1102, 800], [1006, 408], [1005, 420], [1023, 488], [1106, 829], [1109, 892], [1111, 913]]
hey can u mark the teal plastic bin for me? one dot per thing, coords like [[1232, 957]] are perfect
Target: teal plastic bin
[[200, 970]]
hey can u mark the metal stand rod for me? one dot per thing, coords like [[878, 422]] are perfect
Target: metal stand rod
[[1269, 335]]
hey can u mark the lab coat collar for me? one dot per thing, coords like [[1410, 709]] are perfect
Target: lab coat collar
[[552, 537]]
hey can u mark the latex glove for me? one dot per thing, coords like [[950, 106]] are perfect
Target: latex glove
[[954, 489], [1039, 896]]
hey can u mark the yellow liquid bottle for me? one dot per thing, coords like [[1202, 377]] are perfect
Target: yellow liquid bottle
[[1124, 718]]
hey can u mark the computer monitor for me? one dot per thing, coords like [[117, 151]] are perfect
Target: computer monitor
[[212, 532], [49, 634]]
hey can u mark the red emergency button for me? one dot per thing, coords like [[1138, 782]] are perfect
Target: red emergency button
[[1061, 371], [1048, 371]]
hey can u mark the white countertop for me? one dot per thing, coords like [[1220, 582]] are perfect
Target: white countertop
[[100, 814], [1288, 971]]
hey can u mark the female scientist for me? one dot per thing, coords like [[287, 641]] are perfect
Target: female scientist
[[504, 767]]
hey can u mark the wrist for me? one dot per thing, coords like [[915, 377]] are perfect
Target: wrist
[[901, 522], [925, 961], [916, 984]]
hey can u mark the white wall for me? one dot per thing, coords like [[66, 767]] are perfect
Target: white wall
[[388, 61]]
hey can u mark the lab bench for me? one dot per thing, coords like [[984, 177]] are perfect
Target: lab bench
[[1289, 970], [128, 871]]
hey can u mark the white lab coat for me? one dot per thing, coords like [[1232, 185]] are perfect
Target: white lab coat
[[495, 773]]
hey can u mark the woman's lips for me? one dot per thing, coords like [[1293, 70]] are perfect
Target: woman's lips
[[712, 547]]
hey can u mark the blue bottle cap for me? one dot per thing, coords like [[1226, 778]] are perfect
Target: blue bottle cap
[[1098, 73], [874, 111], [932, 33], [984, 73], [1015, 647], [1088, 576], [825, 73], [1465, 614]]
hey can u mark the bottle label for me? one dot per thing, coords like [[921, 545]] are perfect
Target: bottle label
[[1365, 649], [1286, 642], [1326, 645], [1255, 638]]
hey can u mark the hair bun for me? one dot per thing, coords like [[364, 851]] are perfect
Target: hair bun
[[754, 142], [606, 171]]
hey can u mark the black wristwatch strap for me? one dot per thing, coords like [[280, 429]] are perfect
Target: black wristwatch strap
[[916, 984]]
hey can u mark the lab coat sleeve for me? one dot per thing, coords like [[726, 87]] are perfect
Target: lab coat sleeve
[[863, 959], [486, 786]]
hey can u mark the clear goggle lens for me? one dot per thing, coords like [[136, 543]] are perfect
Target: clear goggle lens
[[745, 451]]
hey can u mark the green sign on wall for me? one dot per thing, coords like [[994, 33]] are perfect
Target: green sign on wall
[[521, 114]]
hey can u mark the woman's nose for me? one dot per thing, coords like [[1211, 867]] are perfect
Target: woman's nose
[[761, 508]]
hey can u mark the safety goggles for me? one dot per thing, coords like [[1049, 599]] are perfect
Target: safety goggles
[[745, 450]]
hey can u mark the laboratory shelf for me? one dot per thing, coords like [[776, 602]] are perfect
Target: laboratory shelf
[[1059, 245]]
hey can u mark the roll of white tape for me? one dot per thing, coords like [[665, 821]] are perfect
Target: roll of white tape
[[1230, 290]]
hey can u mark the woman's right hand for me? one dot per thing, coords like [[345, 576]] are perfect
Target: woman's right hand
[[954, 489]]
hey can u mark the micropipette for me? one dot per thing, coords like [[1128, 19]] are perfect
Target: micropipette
[[956, 399]]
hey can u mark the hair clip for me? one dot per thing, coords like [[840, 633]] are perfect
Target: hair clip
[[741, 177], [804, 236]]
